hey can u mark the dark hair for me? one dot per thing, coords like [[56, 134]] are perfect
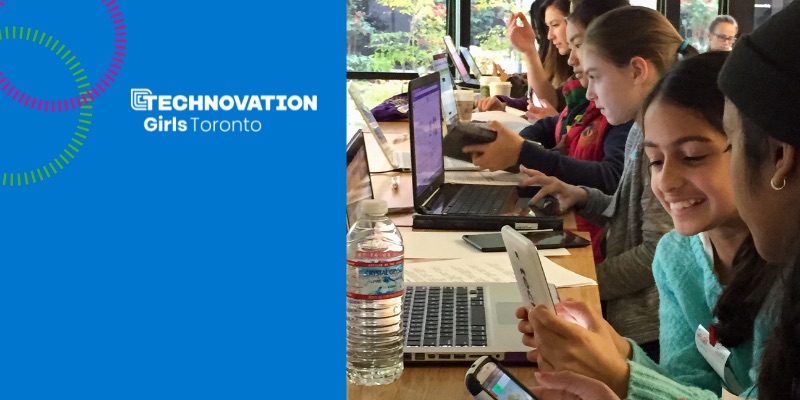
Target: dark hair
[[627, 32], [555, 65], [722, 18], [779, 375], [585, 12], [692, 84]]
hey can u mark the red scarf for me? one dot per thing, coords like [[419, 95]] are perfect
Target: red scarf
[[584, 141]]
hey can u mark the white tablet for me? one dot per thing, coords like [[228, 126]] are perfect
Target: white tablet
[[527, 266]]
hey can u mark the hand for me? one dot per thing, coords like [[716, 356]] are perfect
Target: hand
[[568, 385], [497, 70], [536, 113], [490, 104], [521, 37], [500, 154], [568, 195], [526, 328], [580, 346]]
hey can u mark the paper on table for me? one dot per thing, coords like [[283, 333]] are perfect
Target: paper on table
[[448, 244], [517, 112], [513, 121], [487, 268], [499, 178]]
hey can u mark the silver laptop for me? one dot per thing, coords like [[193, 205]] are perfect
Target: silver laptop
[[473, 66], [454, 158], [400, 159], [467, 79], [460, 322], [358, 179], [397, 159]]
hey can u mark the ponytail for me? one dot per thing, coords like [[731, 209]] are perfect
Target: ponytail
[[779, 376], [745, 296]]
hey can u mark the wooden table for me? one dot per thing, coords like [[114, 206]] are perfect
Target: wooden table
[[444, 381]]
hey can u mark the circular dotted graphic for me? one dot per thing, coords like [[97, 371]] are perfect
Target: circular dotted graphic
[[86, 93], [115, 65], [84, 117]]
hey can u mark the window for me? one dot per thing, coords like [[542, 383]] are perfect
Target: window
[[394, 35], [488, 42], [696, 16], [646, 3], [765, 9]]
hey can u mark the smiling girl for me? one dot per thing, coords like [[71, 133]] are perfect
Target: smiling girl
[[708, 274]]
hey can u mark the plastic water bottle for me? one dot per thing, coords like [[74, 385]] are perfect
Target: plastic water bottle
[[374, 298]]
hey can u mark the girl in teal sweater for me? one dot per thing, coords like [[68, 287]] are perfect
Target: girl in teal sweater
[[689, 165]]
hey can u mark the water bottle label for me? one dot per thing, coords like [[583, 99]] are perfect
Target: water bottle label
[[375, 280]]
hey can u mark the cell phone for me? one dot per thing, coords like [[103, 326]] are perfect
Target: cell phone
[[527, 266], [493, 242], [464, 134], [486, 379]]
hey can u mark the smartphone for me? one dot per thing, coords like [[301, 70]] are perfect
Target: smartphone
[[528, 270], [493, 242], [486, 379]]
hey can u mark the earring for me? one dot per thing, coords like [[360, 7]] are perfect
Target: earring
[[775, 187]]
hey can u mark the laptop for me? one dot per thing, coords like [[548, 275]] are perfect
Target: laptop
[[455, 159], [460, 322], [473, 66], [440, 205], [397, 159], [359, 182], [467, 80]]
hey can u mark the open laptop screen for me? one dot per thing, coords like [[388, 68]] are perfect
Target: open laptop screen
[[359, 184], [473, 66], [455, 56], [449, 108], [427, 120]]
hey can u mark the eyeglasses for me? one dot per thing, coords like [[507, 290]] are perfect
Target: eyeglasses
[[725, 38]]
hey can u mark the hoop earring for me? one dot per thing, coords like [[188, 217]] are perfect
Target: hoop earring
[[775, 187]]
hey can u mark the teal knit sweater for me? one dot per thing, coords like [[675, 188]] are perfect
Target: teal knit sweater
[[688, 290]]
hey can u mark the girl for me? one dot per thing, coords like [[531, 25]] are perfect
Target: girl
[[633, 220], [709, 249], [765, 169], [589, 151], [548, 79], [765, 177]]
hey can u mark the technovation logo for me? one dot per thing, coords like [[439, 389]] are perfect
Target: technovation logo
[[143, 99], [79, 104]]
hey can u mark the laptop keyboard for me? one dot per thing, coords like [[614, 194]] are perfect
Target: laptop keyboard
[[444, 316], [479, 200]]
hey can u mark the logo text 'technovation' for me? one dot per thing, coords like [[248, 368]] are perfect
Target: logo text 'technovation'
[[145, 100]]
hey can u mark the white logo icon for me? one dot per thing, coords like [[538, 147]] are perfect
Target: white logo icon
[[138, 103]]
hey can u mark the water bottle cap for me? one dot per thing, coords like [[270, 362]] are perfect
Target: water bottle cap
[[375, 207]]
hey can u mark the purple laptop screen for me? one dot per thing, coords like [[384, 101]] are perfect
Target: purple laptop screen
[[427, 120]]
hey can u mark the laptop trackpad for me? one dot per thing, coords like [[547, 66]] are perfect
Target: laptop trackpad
[[505, 313]]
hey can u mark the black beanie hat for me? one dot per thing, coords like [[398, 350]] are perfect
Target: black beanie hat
[[762, 75]]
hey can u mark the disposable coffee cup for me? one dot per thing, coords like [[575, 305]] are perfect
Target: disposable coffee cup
[[465, 102], [500, 89], [485, 81]]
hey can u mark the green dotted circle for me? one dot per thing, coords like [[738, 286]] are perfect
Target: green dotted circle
[[50, 168]]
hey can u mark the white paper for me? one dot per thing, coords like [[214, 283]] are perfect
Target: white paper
[[510, 120], [487, 268], [498, 178], [448, 245], [514, 111], [454, 164]]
